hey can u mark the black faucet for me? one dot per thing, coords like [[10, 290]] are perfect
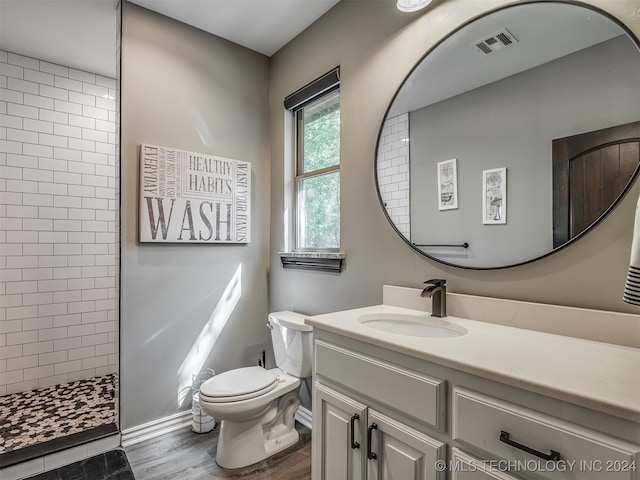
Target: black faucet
[[436, 289]]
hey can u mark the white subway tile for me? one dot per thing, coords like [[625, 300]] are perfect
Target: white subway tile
[[37, 298], [106, 104], [96, 339], [38, 274], [82, 237], [54, 380], [13, 376], [7, 146], [10, 121], [67, 131], [95, 362], [95, 181], [12, 275], [37, 150], [38, 101], [18, 338], [52, 309], [68, 84], [38, 77], [95, 135], [38, 372], [52, 188], [51, 237], [69, 342], [81, 283], [54, 93], [80, 121], [53, 357], [67, 296], [79, 144], [81, 330], [11, 172], [11, 198], [93, 272], [19, 363], [54, 212], [67, 272], [38, 125], [65, 201], [105, 148], [11, 224], [23, 61], [67, 178], [10, 327], [53, 116], [22, 161], [81, 214], [11, 96], [68, 367], [106, 82], [67, 107], [14, 71], [37, 348], [10, 351], [53, 140], [37, 199], [67, 154], [22, 262], [38, 249], [79, 167], [82, 76], [106, 126], [22, 287], [82, 191], [83, 352], [54, 69], [52, 285], [67, 225], [67, 249], [22, 85], [21, 237], [53, 164], [82, 99]]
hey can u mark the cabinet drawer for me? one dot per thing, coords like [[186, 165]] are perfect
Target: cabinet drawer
[[479, 420], [408, 392], [466, 467]]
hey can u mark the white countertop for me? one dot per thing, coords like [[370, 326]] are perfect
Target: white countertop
[[600, 376]]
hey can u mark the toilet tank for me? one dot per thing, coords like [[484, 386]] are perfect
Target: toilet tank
[[292, 343]]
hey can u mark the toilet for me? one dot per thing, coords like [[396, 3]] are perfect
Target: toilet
[[256, 406]]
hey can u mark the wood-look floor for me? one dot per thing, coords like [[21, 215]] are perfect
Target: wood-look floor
[[185, 455]]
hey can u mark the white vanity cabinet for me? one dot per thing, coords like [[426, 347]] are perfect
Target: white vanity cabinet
[[353, 439], [382, 414]]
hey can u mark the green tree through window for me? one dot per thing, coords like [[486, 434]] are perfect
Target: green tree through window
[[318, 173]]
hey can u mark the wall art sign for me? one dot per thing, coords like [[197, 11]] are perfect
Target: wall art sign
[[494, 196], [188, 197], [447, 185]]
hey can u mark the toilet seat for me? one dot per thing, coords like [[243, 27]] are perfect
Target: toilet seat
[[239, 384]]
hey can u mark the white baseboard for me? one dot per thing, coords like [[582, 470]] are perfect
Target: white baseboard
[[154, 429], [180, 420], [304, 417]]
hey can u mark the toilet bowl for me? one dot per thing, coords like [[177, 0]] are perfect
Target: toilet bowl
[[256, 407]]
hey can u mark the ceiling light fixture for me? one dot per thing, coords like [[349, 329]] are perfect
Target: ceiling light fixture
[[412, 5]]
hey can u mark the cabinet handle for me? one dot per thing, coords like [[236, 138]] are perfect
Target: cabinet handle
[[370, 454], [354, 444], [553, 456]]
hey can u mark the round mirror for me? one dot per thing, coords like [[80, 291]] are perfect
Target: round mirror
[[513, 136]]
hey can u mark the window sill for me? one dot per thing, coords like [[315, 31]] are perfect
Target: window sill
[[316, 261]]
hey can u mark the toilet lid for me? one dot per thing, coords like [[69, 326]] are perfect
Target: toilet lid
[[241, 382]]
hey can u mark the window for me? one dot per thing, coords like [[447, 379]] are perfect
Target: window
[[318, 173], [316, 110]]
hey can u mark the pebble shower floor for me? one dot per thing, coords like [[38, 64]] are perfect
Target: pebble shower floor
[[35, 416]]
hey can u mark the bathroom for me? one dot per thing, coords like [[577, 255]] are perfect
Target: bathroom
[[183, 88]]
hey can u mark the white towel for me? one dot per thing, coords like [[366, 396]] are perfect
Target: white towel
[[632, 287]]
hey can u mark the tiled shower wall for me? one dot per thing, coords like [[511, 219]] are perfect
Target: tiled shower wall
[[393, 171], [59, 172]]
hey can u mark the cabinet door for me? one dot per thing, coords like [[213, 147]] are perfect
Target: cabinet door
[[337, 435], [398, 452]]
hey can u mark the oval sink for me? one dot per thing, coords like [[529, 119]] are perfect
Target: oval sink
[[412, 325]]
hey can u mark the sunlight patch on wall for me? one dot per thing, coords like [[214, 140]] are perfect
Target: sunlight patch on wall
[[203, 346]]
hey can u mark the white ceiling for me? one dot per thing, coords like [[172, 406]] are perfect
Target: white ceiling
[[82, 33], [261, 25]]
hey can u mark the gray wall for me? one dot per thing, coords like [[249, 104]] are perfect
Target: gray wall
[[376, 46], [511, 123], [187, 89]]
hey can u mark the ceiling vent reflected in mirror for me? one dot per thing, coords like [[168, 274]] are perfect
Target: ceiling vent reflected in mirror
[[496, 42]]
